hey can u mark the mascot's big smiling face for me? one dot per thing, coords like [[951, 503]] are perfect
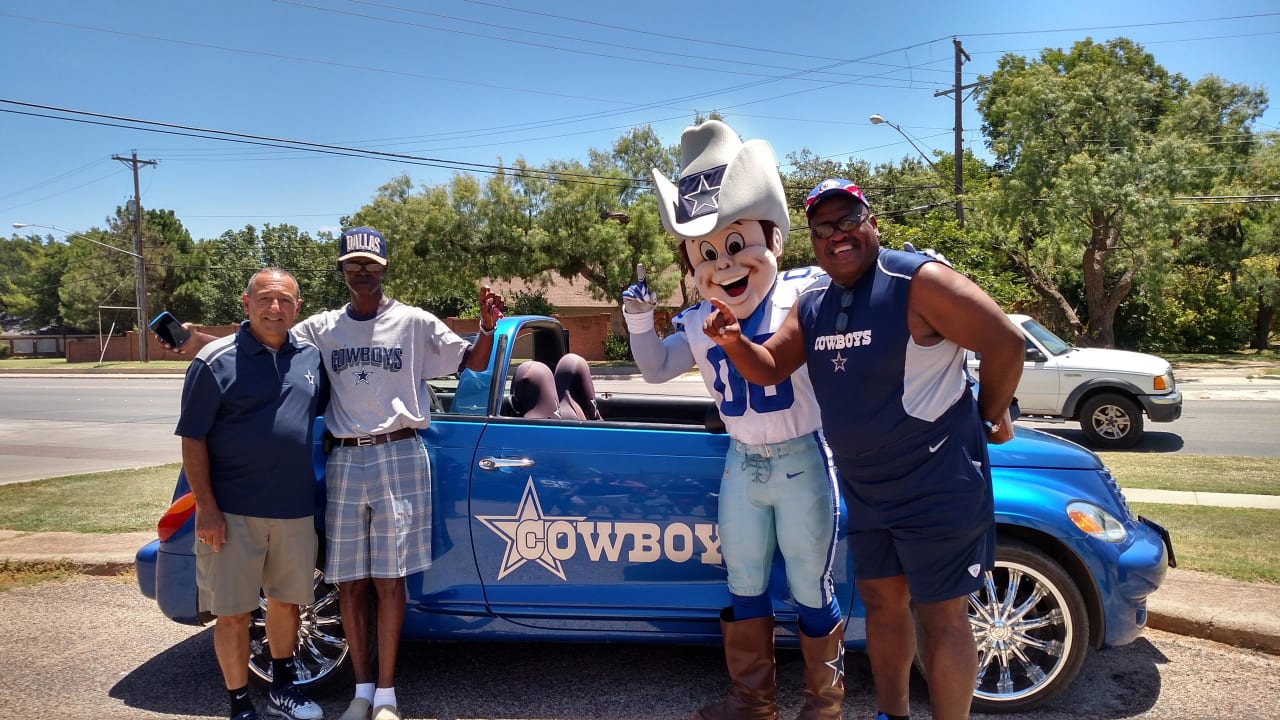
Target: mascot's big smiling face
[[737, 264]]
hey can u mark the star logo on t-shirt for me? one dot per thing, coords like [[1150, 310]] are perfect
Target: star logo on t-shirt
[[363, 377], [311, 379], [839, 361]]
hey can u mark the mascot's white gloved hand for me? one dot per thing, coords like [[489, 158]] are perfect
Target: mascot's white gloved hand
[[638, 303], [930, 252]]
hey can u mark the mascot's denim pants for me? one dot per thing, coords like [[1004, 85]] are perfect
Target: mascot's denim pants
[[780, 495]]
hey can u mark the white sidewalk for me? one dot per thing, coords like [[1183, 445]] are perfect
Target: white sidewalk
[[1181, 497]]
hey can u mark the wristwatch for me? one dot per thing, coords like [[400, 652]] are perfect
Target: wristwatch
[[992, 428]]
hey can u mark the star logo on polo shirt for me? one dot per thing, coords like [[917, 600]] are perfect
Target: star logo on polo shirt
[[839, 361], [311, 379], [363, 377]]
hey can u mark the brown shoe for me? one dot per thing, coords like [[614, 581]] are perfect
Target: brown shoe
[[823, 675], [748, 652]]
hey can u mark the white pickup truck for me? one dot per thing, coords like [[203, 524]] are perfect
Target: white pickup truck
[[1107, 391]]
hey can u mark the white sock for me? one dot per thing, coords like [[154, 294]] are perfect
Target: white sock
[[364, 691], [384, 696]]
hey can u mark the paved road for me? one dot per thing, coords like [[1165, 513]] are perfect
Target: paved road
[[94, 648], [64, 425]]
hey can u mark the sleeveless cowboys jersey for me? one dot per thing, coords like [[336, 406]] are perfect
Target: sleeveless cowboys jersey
[[752, 414], [896, 397]]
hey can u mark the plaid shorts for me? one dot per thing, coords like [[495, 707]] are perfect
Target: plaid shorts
[[378, 515]]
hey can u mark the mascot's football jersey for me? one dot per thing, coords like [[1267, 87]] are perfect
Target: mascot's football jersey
[[900, 395], [754, 414]]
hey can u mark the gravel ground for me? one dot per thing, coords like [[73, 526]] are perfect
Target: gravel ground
[[93, 647]]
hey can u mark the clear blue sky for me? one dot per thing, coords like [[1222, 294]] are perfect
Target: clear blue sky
[[483, 82]]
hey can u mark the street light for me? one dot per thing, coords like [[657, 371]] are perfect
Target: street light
[[877, 119], [140, 292]]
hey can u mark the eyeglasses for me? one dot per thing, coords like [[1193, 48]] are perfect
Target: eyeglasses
[[842, 320], [354, 267], [848, 223]]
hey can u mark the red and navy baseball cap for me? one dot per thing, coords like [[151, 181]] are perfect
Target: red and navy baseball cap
[[362, 242], [832, 187]]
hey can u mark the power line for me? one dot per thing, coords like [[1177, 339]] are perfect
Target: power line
[[250, 139]]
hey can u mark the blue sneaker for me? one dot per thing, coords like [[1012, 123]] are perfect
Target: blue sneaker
[[289, 703]]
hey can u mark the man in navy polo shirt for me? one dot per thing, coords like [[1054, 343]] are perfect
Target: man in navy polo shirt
[[248, 406]]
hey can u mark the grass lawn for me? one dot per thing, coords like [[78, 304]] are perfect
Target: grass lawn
[[1242, 544], [1203, 473], [105, 502], [1240, 357], [20, 574], [1239, 543], [50, 364]]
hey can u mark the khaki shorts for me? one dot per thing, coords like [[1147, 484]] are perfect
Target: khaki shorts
[[275, 556]]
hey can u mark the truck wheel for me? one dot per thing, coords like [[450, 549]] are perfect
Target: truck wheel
[[1111, 421], [320, 657], [1031, 628]]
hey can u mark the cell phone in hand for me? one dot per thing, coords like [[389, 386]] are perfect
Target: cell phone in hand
[[169, 329]]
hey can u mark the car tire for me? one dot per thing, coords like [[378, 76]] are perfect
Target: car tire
[[1111, 421], [1031, 628], [320, 657]]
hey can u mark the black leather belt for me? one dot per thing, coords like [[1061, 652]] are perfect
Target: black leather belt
[[365, 440]]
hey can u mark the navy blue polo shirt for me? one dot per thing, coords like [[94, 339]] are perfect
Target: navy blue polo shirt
[[255, 408]]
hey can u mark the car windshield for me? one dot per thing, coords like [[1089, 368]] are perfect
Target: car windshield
[[1054, 344]]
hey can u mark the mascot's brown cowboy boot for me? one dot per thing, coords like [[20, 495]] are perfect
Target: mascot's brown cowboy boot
[[748, 651], [823, 675]]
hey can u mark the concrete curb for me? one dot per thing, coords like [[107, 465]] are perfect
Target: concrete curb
[[1210, 607], [1227, 634]]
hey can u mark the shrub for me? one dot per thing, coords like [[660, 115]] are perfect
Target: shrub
[[616, 347], [530, 303]]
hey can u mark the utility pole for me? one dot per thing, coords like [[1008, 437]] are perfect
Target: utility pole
[[139, 267], [957, 89]]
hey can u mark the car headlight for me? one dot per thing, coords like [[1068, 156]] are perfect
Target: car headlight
[[1096, 522], [1164, 382]]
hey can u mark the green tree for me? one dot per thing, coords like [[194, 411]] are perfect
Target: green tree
[[231, 259], [574, 220], [18, 258], [1092, 147]]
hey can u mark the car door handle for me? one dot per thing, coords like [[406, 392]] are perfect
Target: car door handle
[[492, 463]]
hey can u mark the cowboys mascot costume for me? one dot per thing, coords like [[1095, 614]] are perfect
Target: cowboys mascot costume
[[778, 489]]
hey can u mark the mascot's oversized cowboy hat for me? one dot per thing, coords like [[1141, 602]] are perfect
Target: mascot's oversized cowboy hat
[[722, 180]]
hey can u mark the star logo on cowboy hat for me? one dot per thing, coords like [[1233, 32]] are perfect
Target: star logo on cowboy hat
[[704, 199], [722, 180]]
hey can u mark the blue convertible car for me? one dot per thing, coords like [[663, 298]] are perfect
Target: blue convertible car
[[605, 531]]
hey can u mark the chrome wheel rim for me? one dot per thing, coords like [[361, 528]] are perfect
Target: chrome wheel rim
[[1111, 422], [1023, 632], [321, 647]]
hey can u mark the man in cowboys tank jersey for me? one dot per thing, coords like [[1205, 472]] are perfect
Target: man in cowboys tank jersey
[[883, 339]]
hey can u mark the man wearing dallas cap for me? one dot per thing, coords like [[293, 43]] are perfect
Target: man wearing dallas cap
[[883, 339], [378, 353]]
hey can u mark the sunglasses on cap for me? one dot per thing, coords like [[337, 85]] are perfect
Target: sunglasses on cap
[[848, 223], [353, 267]]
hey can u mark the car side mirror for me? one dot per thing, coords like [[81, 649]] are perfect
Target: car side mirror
[[1036, 355]]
